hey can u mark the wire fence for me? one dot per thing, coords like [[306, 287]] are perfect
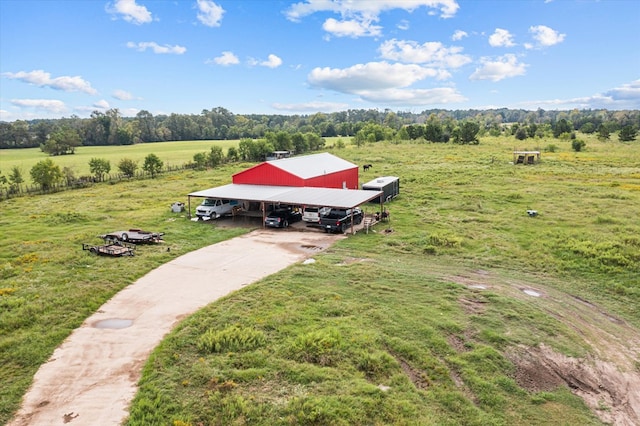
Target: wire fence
[[13, 191]]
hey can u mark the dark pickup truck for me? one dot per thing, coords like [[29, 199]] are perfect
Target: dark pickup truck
[[339, 220]]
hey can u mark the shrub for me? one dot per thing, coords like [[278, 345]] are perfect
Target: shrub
[[231, 339], [318, 347], [578, 145]]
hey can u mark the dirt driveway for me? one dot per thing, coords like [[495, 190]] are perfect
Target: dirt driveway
[[92, 377]]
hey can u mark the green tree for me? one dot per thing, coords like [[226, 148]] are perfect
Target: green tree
[[562, 126], [603, 132], [578, 145], [46, 174], [232, 154], [99, 167], [15, 178], [152, 165], [128, 167], [466, 133], [433, 132], [215, 156], [61, 142], [200, 160], [627, 134]]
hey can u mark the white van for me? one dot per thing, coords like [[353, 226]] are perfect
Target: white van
[[213, 208], [313, 214]]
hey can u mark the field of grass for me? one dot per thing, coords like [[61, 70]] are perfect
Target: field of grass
[[171, 153], [375, 331]]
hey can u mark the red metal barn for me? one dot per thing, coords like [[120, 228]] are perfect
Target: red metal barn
[[317, 170]]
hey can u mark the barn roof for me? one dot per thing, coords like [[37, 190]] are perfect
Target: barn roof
[[309, 166], [309, 196]]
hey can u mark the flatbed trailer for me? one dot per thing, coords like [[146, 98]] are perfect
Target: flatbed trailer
[[115, 249], [135, 236]]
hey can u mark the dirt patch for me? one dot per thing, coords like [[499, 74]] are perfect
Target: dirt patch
[[612, 394], [607, 379]]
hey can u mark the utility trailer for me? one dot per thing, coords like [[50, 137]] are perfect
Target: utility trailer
[[135, 236], [115, 249], [389, 185]]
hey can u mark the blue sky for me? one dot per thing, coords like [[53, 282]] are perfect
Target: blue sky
[[73, 57]]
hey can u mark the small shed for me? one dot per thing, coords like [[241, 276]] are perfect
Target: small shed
[[526, 157], [389, 185], [322, 170]]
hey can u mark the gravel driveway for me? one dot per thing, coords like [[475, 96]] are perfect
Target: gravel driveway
[[92, 377]]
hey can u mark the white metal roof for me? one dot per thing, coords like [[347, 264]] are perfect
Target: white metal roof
[[379, 182], [309, 166], [308, 196]]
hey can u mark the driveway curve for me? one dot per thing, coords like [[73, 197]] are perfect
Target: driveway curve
[[92, 377]]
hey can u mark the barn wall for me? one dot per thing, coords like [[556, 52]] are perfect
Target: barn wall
[[266, 174], [335, 180]]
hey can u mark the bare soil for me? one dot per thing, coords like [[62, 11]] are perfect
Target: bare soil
[[607, 379]]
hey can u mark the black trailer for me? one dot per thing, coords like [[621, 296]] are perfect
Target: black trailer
[[389, 185], [116, 249]]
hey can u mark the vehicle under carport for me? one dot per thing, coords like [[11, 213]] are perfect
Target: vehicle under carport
[[270, 195]]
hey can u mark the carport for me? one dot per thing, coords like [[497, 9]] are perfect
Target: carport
[[298, 196]]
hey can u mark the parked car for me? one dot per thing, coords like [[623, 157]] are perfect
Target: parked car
[[313, 214], [213, 208], [281, 218]]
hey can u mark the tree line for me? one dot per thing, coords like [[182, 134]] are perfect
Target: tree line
[[64, 135]]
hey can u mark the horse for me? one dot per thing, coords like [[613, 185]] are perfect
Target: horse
[[366, 167]]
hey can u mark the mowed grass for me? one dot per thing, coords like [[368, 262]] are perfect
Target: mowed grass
[[374, 332], [171, 153]]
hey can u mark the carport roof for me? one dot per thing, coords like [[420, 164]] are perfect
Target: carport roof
[[308, 196]]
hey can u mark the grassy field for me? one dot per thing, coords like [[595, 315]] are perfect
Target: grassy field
[[171, 153], [382, 328]]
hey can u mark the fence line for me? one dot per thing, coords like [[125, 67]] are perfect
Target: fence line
[[13, 191]]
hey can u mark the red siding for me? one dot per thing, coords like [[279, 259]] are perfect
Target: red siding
[[335, 180], [266, 174]]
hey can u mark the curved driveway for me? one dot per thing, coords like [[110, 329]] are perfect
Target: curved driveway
[[92, 377]]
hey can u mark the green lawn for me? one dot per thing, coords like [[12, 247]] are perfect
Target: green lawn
[[382, 328], [171, 153]]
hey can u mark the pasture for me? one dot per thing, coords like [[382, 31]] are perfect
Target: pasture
[[420, 322], [171, 153]]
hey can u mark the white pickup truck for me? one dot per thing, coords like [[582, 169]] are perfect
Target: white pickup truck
[[213, 208], [313, 214]]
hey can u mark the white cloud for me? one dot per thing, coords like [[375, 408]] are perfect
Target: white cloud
[[459, 35], [101, 104], [156, 48], [501, 38], [431, 53], [403, 25], [447, 8], [209, 13], [227, 58], [504, 67], [369, 77], [545, 36], [626, 92], [130, 11], [49, 105], [272, 62], [351, 28], [357, 18], [414, 97], [41, 78], [312, 107], [122, 95]]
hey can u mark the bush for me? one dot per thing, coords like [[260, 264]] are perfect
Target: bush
[[318, 347], [578, 145], [231, 339]]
